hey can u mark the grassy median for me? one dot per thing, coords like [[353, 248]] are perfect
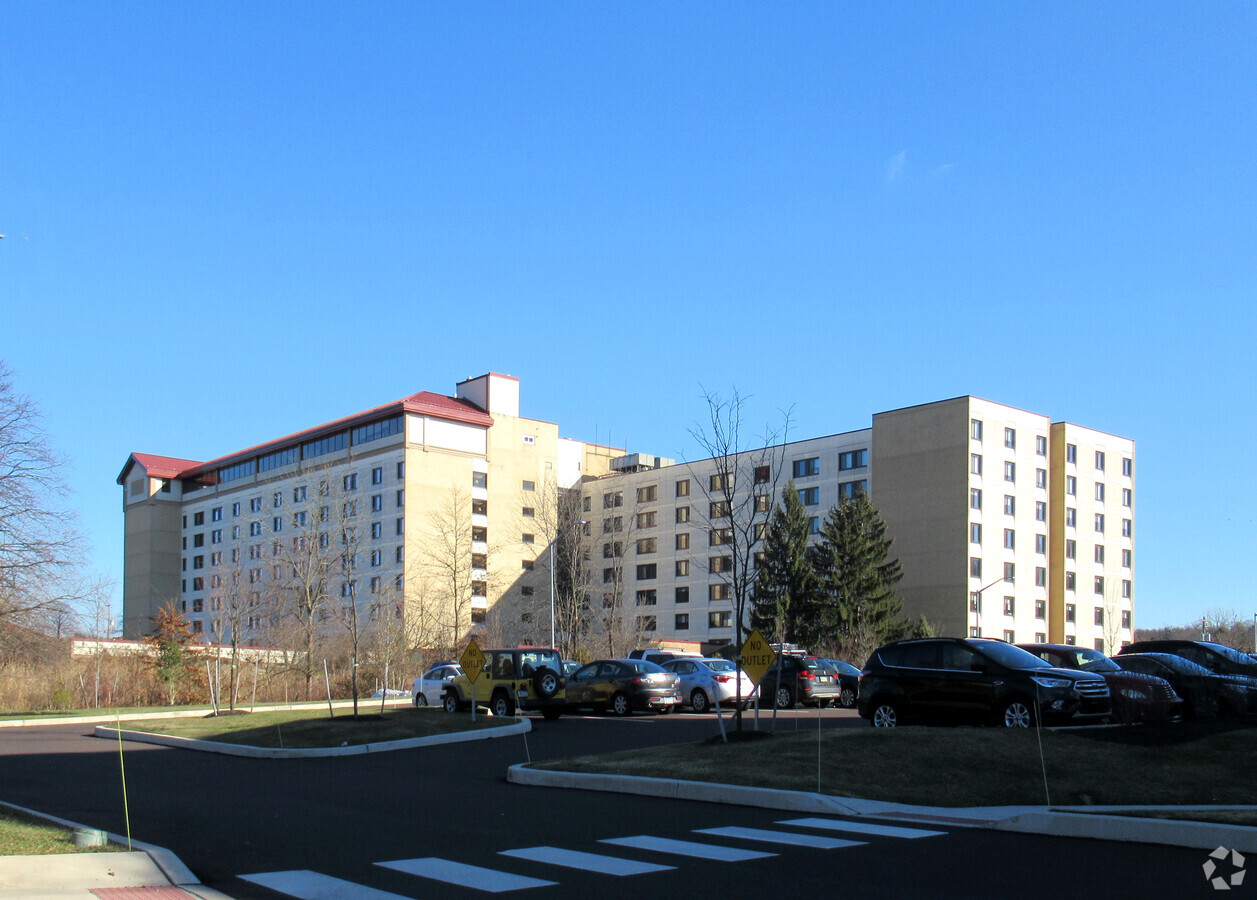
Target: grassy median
[[305, 729], [1190, 763], [22, 835]]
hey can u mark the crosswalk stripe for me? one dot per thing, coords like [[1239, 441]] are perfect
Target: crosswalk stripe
[[862, 828], [780, 837], [688, 848], [590, 862], [490, 880], [307, 885]]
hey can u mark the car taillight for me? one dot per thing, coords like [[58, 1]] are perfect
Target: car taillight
[[641, 679], [723, 679], [806, 674]]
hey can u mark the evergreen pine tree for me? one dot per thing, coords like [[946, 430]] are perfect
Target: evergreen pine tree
[[785, 586], [859, 608]]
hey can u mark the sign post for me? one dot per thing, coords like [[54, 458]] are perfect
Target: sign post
[[472, 661], [756, 659]]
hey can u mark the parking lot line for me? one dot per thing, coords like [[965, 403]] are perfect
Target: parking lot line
[[861, 827], [451, 872], [307, 885], [589, 862], [814, 841], [688, 848]]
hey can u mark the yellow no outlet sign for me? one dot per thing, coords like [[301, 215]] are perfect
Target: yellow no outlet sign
[[472, 661], [757, 656]]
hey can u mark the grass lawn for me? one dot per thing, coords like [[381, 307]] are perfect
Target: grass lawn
[[1189, 763], [309, 728], [21, 835]]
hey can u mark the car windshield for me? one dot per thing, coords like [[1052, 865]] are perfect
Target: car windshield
[[1095, 661], [719, 665], [1008, 655], [641, 665]]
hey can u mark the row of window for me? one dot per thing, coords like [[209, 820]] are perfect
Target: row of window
[[300, 494], [681, 622], [1040, 447], [312, 449], [1040, 609]]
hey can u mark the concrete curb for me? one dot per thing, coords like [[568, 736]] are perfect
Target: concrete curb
[[1027, 819], [170, 865], [178, 714], [520, 726]]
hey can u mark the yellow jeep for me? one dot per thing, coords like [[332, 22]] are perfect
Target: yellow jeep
[[521, 678]]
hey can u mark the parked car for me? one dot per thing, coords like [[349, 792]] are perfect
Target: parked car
[[623, 685], [804, 679], [517, 678], [848, 682], [570, 666], [1215, 657], [659, 657], [703, 682], [426, 691], [1205, 694], [976, 680], [1136, 697]]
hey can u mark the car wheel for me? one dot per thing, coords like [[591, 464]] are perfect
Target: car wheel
[[620, 704], [1017, 713], [885, 715], [698, 700], [551, 713], [450, 701], [421, 700], [547, 682], [502, 704], [847, 698], [785, 700]]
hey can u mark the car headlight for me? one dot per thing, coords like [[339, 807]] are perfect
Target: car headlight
[[1044, 681], [1133, 694]]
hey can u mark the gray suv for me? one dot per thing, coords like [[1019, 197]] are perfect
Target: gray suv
[[976, 680]]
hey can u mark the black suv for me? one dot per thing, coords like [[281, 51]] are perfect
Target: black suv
[[975, 680]]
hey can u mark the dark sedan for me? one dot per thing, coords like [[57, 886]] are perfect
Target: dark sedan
[[1136, 697], [623, 685], [1205, 694]]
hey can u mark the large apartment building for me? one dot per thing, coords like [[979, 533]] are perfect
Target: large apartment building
[[1007, 525], [426, 510]]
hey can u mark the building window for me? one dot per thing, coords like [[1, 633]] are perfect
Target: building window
[[401, 498], [718, 564], [720, 619], [975, 463], [975, 498], [975, 533], [682, 622], [1127, 497], [1126, 528], [682, 567], [401, 528], [814, 525], [646, 623], [1071, 485], [763, 502], [683, 540], [216, 536], [1040, 478], [350, 482], [1126, 559], [683, 514], [1100, 492], [1099, 584], [1010, 606], [1040, 543], [1099, 461], [975, 602], [648, 494], [1010, 571], [647, 519], [975, 567], [1010, 636], [1070, 583], [1040, 511], [528, 512], [612, 499], [720, 481], [1071, 549], [235, 510], [975, 631], [1010, 438], [681, 595], [1010, 539], [529, 486], [479, 479], [1071, 453], [975, 429], [1099, 554], [805, 467], [1126, 619], [1099, 615], [1040, 609], [719, 591], [401, 470], [810, 496], [646, 598], [1040, 576], [1010, 472], [198, 518], [763, 474], [718, 537], [1069, 612], [647, 571], [1010, 505], [1040, 445], [1126, 589], [853, 459], [648, 545], [1128, 466], [1100, 523], [683, 487], [1071, 517]]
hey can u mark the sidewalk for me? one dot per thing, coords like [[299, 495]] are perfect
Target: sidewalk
[[1085, 822]]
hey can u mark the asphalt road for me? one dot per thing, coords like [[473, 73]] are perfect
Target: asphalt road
[[341, 818]]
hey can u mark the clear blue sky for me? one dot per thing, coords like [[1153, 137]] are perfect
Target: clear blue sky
[[227, 222]]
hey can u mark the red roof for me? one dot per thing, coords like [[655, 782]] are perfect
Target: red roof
[[423, 403]]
